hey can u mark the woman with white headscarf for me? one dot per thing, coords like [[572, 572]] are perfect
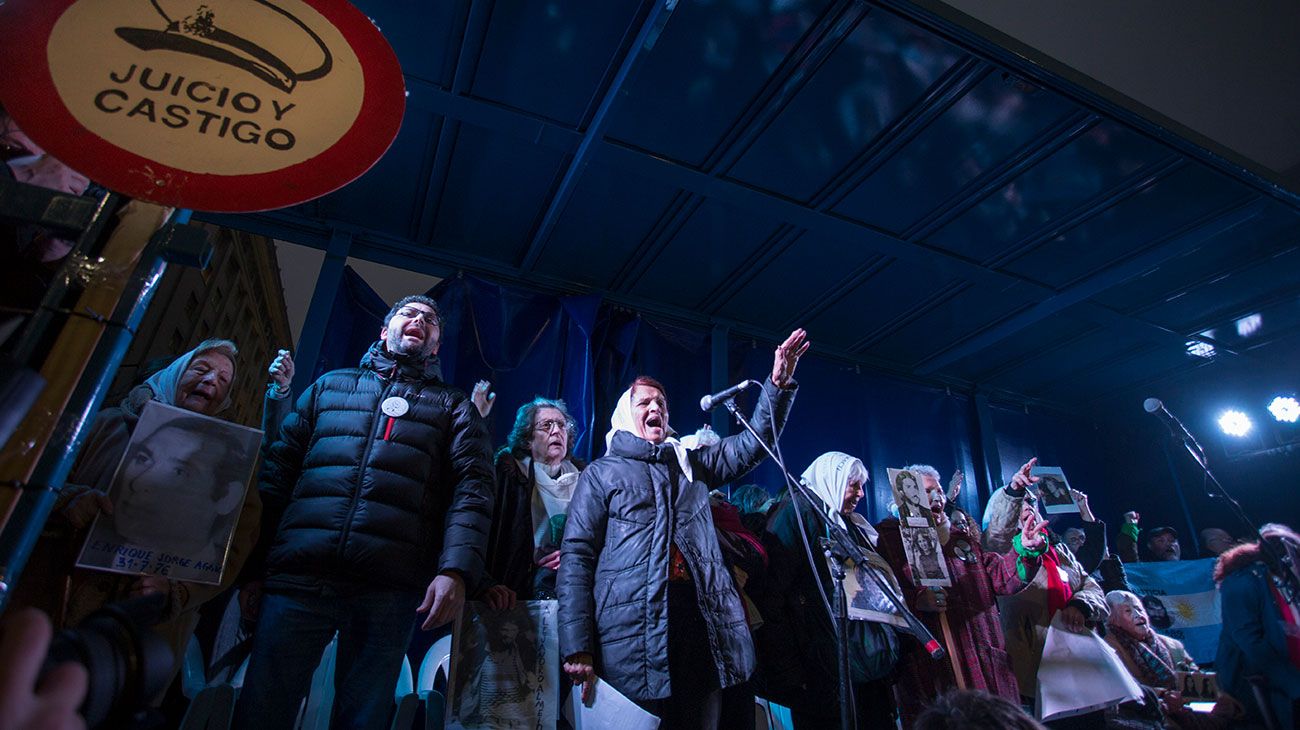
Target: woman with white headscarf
[[796, 643], [641, 562], [201, 381]]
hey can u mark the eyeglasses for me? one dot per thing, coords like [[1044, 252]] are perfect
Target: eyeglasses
[[551, 423], [420, 314]]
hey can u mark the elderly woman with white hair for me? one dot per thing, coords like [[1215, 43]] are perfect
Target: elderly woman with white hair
[[975, 637], [1155, 661], [797, 639], [200, 381]]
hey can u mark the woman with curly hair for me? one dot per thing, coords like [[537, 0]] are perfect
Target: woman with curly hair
[[535, 476]]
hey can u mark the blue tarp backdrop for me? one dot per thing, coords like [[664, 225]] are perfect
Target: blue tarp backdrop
[[586, 351]]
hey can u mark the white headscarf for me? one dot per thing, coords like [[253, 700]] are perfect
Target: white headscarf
[[827, 477], [623, 420], [167, 381]]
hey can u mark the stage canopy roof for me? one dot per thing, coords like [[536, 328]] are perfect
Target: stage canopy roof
[[922, 201]]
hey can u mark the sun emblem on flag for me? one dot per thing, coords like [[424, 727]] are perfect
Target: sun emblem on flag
[[1185, 610]]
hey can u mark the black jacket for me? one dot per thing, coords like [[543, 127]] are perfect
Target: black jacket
[[511, 555], [797, 640], [614, 562], [351, 503]]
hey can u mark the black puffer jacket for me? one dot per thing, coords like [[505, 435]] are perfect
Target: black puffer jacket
[[351, 503], [614, 562]]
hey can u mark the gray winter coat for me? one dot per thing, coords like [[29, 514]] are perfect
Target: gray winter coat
[[613, 576]]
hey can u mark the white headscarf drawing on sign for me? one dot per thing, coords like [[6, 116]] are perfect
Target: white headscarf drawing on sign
[[622, 420]]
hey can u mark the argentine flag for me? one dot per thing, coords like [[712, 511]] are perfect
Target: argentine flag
[[1183, 602]]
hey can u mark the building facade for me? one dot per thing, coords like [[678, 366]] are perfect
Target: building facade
[[237, 297]]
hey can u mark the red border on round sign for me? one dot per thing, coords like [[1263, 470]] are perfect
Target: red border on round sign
[[27, 89]]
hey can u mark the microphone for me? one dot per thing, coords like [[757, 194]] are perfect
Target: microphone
[[709, 402], [1176, 427]]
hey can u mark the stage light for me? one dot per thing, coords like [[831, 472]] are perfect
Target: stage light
[[1285, 409], [1249, 325], [1235, 423], [1196, 348]]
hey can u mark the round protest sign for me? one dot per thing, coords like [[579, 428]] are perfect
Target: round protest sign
[[237, 105]]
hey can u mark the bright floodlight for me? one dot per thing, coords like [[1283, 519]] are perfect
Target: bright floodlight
[[1235, 423], [1285, 408], [1196, 348], [1249, 325]]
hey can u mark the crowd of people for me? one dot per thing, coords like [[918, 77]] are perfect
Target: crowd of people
[[380, 507]]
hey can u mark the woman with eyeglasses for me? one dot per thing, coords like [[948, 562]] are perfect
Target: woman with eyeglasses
[[536, 473]]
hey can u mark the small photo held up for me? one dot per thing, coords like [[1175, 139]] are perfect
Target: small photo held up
[[1054, 490]]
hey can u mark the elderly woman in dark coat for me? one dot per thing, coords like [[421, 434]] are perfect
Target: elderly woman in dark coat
[[536, 473], [198, 381], [970, 605]]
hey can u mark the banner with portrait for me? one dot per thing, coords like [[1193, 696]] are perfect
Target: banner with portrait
[[176, 493], [505, 667]]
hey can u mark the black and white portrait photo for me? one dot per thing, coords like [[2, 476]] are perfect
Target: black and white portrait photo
[[1054, 490], [913, 507], [921, 545], [866, 596], [176, 497], [504, 668]]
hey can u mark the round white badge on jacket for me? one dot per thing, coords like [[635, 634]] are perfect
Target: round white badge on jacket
[[395, 406]]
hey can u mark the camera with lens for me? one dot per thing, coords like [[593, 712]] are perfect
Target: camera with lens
[[128, 663]]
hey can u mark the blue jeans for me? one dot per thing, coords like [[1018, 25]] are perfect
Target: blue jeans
[[292, 631]]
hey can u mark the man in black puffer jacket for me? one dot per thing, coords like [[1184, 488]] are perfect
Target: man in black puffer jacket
[[646, 601], [379, 485]]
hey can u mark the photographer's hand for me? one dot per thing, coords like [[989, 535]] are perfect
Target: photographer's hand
[[23, 704]]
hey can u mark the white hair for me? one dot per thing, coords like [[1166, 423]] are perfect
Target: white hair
[[1120, 598], [924, 470], [858, 470]]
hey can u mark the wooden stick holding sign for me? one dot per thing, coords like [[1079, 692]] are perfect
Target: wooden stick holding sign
[[951, 646]]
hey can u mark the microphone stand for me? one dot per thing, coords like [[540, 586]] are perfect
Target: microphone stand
[[842, 545], [1290, 583]]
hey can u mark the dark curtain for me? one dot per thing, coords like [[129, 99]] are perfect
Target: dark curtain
[[354, 323], [587, 351], [526, 343], [886, 422]]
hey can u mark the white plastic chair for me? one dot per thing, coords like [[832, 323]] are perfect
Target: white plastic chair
[[435, 662], [319, 703], [771, 716], [406, 701], [318, 708], [212, 704], [194, 675]]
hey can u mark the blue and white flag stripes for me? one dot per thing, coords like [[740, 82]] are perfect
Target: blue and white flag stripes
[[1183, 602]]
